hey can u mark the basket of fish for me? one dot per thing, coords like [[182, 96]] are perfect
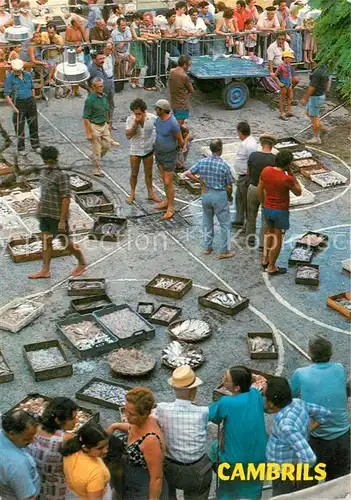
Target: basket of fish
[[19, 313], [178, 354], [316, 169], [329, 179], [94, 201], [224, 301], [180, 178], [86, 286], [167, 285], [103, 392], [259, 381], [341, 303], [301, 255], [5, 168], [289, 143], [192, 186], [190, 330], [30, 249], [262, 345], [346, 265], [87, 305], [125, 324], [86, 336], [145, 309], [77, 183], [307, 275], [131, 362], [165, 315], [108, 228], [312, 240], [300, 155], [47, 360], [6, 374]]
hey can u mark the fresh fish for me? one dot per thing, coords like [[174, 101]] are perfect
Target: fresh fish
[[309, 162], [307, 272], [18, 313], [301, 254], [344, 303], [131, 361], [123, 323], [169, 284], [165, 313], [77, 181], [45, 358], [176, 354], [86, 335], [106, 392], [302, 154], [191, 329], [261, 344], [311, 240], [329, 179], [286, 144], [225, 299], [35, 406], [86, 285]]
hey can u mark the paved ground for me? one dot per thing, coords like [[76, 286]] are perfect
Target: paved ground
[[150, 246]]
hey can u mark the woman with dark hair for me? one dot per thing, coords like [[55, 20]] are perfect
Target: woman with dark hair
[[86, 474], [244, 439], [58, 417]]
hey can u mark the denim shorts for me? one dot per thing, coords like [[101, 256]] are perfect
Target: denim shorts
[[315, 102], [181, 114], [276, 219]]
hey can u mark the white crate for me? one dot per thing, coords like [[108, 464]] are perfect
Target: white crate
[[305, 199], [16, 327], [79, 221], [329, 179]]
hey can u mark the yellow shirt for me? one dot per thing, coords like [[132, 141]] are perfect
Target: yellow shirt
[[85, 474]]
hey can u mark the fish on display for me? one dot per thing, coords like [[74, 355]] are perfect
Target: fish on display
[[307, 272], [311, 240], [309, 162], [45, 358], [344, 302], [145, 309], [17, 313], [169, 284], [35, 406], [301, 254], [107, 392], [77, 181], [191, 329], [261, 344], [86, 285], [225, 299], [4, 369], [285, 144], [123, 323], [298, 155], [36, 247], [131, 361], [86, 335], [165, 313], [176, 354]]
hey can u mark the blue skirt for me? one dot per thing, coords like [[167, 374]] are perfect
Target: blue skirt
[[136, 483]]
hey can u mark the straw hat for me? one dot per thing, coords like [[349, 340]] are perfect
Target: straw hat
[[184, 377], [17, 64], [269, 137], [287, 53]]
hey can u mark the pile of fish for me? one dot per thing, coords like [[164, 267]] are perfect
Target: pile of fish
[[329, 179], [299, 155], [311, 240], [301, 254], [95, 302], [17, 313], [146, 309], [286, 144], [106, 392], [309, 162], [169, 284], [32, 224], [92, 200], [225, 299], [24, 206], [4, 369], [176, 354], [86, 285], [344, 302], [35, 247], [35, 406], [307, 273], [123, 323], [45, 358], [182, 176], [82, 418], [86, 335], [5, 211], [131, 361], [191, 330], [77, 181], [165, 313], [261, 344], [12, 229]]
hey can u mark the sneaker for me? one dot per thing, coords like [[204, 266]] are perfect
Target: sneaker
[[314, 140]]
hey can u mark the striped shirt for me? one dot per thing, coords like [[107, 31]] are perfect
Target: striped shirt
[[214, 171], [144, 30], [54, 184]]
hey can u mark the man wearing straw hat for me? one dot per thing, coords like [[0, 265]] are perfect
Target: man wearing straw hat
[[184, 424], [19, 95]]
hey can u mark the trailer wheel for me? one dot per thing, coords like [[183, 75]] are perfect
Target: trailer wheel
[[235, 95]]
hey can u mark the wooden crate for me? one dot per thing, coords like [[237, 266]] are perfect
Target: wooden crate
[[307, 281], [318, 168], [9, 376], [293, 260], [95, 400], [105, 207], [297, 147], [151, 288], [63, 370], [33, 255], [332, 302], [87, 184], [86, 305], [139, 309], [323, 243], [204, 301], [177, 313], [192, 186], [5, 168], [102, 219], [262, 355], [89, 291]]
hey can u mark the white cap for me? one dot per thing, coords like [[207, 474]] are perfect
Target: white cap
[[163, 104], [17, 64]]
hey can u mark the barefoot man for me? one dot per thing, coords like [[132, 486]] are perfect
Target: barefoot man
[[53, 212], [140, 130]]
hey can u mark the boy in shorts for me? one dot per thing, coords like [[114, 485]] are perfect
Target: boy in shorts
[[284, 77]]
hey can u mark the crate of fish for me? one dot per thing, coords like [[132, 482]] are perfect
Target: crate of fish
[[259, 381], [300, 155], [104, 393], [289, 143], [179, 353], [19, 313], [86, 335], [86, 305], [180, 178], [131, 362], [145, 309], [307, 274], [341, 303], [174, 287], [6, 374], [189, 330], [22, 202], [5, 168], [312, 240], [165, 315], [23, 186], [77, 183], [47, 360], [108, 228], [329, 179], [262, 345], [5, 209], [316, 169], [346, 265], [94, 201], [301, 255], [78, 220], [192, 186], [32, 223], [224, 301], [12, 228], [306, 163], [86, 286], [30, 249], [125, 324]]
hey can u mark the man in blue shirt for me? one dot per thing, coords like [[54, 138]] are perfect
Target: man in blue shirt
[[19, 478], [19, 95], [216, 180], [324, 383]]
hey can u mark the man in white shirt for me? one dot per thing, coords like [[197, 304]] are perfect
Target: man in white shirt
[[192, 29], [248, 145], [181, 16], [275, 51], [267, 23], [184, 424], [122, 37]]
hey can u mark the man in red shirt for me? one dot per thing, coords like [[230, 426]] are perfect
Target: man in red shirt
[[240, 14], [274, 192]]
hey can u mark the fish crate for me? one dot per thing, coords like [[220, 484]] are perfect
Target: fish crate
[[312, 281], [6, 374], [305, 163], [63, 369], [334, 302], [13, 326], [318, 168], [96, 350], [220, 391], [35, 255], [346, 265], [94, 201], [165, 322], [192, 186], [179, 177], [173, 294], [230, 310], [78, 184], [22, 186], [111, 391], [24, 404], [301, 255], [108, 228], [5, 168], [145, 309], [262, 355], [312, 240], [143, 331], [88, 289], [297, 146], [87, 305], [329, 179]]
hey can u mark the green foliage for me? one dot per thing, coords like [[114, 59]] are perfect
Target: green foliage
[[332, 30]]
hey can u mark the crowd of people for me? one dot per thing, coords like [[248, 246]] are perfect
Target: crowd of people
[[161, 447]]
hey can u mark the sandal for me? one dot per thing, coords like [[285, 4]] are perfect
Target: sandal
[[279, 270]]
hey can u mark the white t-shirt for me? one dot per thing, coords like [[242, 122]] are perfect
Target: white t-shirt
[[264, 22], [180, 20], [143, 141], [190, 27], [4, 19], [274, 53], [247, 146]]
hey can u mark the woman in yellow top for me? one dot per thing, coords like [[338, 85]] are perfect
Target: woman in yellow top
[[86, 475]]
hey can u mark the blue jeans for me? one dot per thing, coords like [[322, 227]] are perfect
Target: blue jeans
[[192, 49], [172, 49], [215, 203]]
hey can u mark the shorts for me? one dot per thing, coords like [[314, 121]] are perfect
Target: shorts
[[181, 114], [315, 102], [287, 82], [49, 225], [144, 157], [276, 219], [168, 159]]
